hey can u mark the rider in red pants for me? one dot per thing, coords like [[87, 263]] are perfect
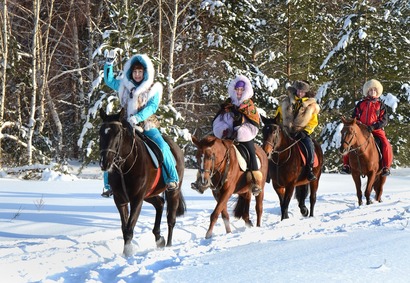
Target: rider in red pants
[[372, 112]]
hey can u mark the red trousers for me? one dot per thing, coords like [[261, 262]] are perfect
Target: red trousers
[[387, 151]]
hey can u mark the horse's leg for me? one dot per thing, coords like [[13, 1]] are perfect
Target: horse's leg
[[158, 203], [378, 187], [124, 214], [259, 208], [280, 191], [289, 189], [128, 230], [369, 186], [301, 194], [222, 200], [225, 218], [313, 191], [174, 200], [358, 184]]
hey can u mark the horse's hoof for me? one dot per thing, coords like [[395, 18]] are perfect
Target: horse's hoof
[[161, 242], [208, 235], [304, 211], [128, 250]]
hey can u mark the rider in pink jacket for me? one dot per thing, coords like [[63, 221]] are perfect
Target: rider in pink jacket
[[238, 119]]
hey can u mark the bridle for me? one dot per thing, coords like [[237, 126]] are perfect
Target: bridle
[[278, 152], [349, 143], [212, 172], [118, 160]]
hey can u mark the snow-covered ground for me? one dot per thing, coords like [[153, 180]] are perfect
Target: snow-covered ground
[[61, 230]]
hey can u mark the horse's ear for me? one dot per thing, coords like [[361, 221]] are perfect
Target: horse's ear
[[103, 115], [195, 140], [122, 114], [264, 120], [344, 119]]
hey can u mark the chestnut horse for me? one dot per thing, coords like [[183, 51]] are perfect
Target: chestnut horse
[[219, 170], [364, 160], [134, 178], [287, 169]]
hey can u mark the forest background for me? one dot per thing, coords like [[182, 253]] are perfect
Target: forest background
[[52, 57]]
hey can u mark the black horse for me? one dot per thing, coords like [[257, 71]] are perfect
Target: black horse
[[134, 178]]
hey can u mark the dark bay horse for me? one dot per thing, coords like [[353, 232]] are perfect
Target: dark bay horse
[[220, 171], [134, 178], [360, 145], [287, 169]]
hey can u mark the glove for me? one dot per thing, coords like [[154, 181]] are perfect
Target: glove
[[133, 121], [225, 134], [225, 106], [110, 56], [301, 135], [370, 128], [237, 116]]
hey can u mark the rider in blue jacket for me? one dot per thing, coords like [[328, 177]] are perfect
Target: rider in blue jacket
[[141, 96]]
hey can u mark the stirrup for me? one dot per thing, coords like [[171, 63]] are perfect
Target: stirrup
[[385, 172], [172, 186], [256, 190], [311, 176], [346, 170], [107, 193]]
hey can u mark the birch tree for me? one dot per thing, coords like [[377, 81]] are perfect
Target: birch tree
[[4, 52]]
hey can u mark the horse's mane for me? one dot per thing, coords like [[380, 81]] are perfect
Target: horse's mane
[[119, 117], [208, 141], [352, 121]]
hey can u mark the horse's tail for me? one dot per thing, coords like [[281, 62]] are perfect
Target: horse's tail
[[181, 205], [242, 206]]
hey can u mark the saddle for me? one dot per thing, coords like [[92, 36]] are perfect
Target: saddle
[[303, 154], [242, 154], [153, 149]]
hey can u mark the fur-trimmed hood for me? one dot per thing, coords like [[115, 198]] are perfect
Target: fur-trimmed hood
[[133, 94], [373, 84], [247, 92]]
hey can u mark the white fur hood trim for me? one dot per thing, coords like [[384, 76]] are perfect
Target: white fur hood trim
[[247, 93]]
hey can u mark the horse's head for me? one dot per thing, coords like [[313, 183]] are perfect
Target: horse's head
[[349, 135], [206, 157], [111, 137], [272, 134]]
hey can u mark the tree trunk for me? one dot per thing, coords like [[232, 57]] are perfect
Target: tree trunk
[[32, 112], [4, 53]]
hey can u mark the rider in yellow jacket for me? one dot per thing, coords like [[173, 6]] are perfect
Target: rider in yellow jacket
[[298, 113]]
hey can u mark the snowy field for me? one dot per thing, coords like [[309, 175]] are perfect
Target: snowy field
[[61, 230]]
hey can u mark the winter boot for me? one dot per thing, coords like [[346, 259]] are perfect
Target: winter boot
[[255, 179], [309, 173]]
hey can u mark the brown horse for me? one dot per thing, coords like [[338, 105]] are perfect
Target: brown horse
[[134, 178], [287, 170], [360, 145], [219, 170]]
